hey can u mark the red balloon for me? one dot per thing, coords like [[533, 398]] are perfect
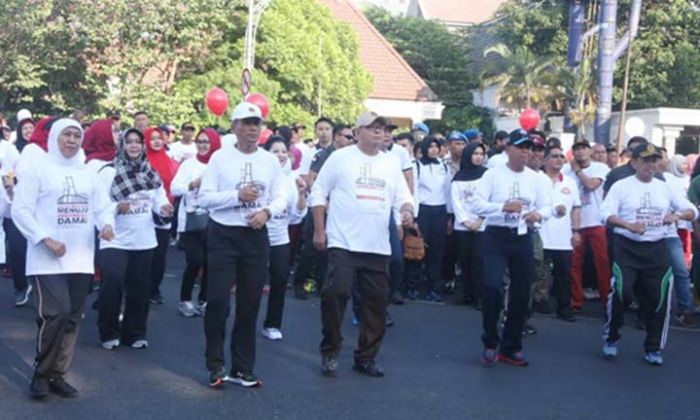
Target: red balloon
[[217, 101], [261, 101], [529, 119], [264, 136]]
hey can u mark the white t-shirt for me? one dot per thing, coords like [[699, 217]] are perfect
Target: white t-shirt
[[433, 183], [404, 158], [134, 230], [462, 195], [556, 232], [362, 191], [643, 202], [679, 186], [500, 185], [590, 200], [181, 152], [65, 204], [496, 160], [228, 171], [190, 170], [277, 227]]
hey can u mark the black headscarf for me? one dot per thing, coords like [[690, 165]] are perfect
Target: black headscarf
[[424, 146], [21, 141], [467, 170]]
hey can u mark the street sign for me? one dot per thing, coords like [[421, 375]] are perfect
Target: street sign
[[246, 80]]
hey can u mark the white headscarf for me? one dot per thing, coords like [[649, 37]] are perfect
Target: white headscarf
[[676, 166], [54, 152]]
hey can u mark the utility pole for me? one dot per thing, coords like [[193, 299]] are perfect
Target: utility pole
[[255, 10]]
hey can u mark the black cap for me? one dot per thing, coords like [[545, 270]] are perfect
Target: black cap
[[581, 142], [114, 114], [637, 139], [646, 150], [554, 142], [538, 139], [390, 125], [187, 126], [500, 135], [519, 137]]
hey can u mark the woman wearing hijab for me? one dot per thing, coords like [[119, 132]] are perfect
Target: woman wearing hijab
[[24, 132], [57, 206], [468, 226], [100, 145], [193, 235], [166, 167], [138, 193], [278, 232], [432, 192]]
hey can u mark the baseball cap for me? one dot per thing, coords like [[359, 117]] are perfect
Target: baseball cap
[[554, 142], [519, 137], [538, 139], [368, 118], [646, 150], [114, 114], [472, 133], [246, 110], [187, 126], [637, 139], [390, 125], [581, 142], [456, 135], [421, 127], [500, 135]]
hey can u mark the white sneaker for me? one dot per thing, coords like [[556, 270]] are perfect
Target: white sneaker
[[139, 344], [589, 294], [187, 309], [272, 334], [110, 344]]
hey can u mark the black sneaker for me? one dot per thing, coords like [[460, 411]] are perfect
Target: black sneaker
[[39, 388], [369, 369], [329, 365], [529, 329], [22, 296], [300, 293], [542, 307], [246, 380], [217, 377], [157, 299], [566, 315], [397, 298], [62, 388]]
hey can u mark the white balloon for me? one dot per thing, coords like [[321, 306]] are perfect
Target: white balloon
[[635, 127]]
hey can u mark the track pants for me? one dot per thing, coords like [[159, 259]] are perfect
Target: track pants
[[644, 267]]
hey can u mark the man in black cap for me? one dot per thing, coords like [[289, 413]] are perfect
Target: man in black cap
[[622, 172], [640, 208], [512, 198], [497, 153], [184, 148]]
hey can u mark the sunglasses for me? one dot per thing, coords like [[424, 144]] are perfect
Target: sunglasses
[[349, 137]]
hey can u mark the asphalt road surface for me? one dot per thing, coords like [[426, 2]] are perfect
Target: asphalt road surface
[[431, 357]]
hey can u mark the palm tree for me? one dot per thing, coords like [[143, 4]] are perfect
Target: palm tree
[[576, 93], [521, 76]]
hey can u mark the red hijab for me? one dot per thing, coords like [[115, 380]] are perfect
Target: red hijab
[[214, 144], [99, 143], [40, 135], [160, 161]]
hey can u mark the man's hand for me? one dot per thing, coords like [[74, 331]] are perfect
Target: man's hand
[[475, 225], [258, 219], [637, 228], [671, 219], [167, 210], [450, 226], [320, 240], [574, 166], [58, 248], [576, 239], [123, 207], [107, 233], [513, 207], [407, 218], [532, 217], [301, 185], [560, 210], [195, 184], [248, 194]]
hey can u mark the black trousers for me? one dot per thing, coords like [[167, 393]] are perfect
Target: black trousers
[[128, 273], [504, 248], [235, 255], [468, 251], [450, 257], [432, 221], [278, 275], [371, 271], [561, 274], [158, 264], [310, 257], [196, 258], [643, 267], [59, 300], [17, 245]]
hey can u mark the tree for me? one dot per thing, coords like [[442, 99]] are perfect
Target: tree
[[522, 78], [440, 57]]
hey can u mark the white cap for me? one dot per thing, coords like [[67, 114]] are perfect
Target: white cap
[[246, 110], [23, 114]]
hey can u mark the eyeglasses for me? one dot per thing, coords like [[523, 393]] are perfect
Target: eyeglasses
[[557, 156], [349, 137], [201, 142]]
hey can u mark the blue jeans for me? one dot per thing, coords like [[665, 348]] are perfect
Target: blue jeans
[[681, 276]]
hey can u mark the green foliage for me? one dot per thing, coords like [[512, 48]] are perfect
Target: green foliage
[[440, 57], [162, 56]]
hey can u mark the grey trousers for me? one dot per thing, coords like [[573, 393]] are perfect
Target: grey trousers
[[59, 300]]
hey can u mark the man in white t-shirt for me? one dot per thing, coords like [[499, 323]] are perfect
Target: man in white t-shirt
[[359, 188], [561, 232], [589, 177], [184, 148]]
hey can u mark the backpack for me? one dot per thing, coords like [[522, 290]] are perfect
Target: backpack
[[413, 244]]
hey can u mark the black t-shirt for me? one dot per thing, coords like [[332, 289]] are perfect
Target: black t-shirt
[[620, 173], [320, 158]]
